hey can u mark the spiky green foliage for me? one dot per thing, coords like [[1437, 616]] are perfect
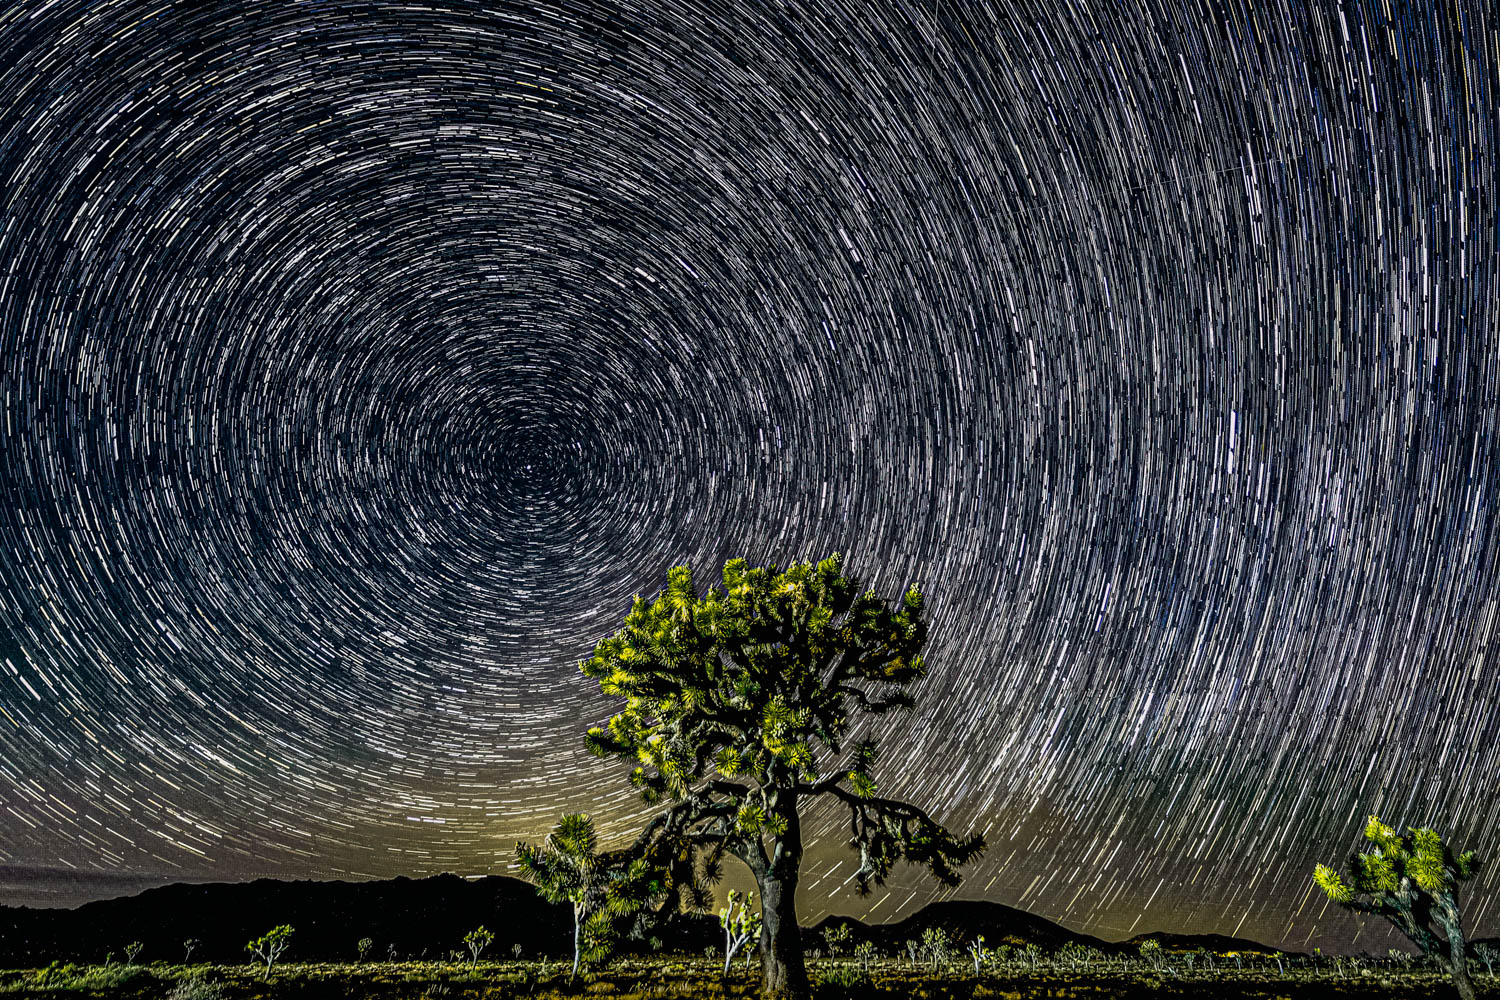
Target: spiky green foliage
[[601, 886], [738, 705], [271, 945], [477, 940], [751, 689], [1412, 880]]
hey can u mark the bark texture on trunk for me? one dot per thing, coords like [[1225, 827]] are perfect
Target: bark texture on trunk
[[577, 939], [781, 938], [781, 941], [1458, 966]]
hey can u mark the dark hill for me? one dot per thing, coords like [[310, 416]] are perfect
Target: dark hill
[[429, 917], [963, 919], [416, 916], [1188, 942]]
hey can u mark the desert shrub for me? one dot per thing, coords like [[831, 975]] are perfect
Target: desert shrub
[[69, 977], [840, 980], [197, 988]]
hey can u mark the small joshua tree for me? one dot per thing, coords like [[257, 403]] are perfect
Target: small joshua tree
[[478, 939], [188, 947], [1411, 880], [935, 943], [865, 952], [131, 950], [979, 953], [740, 924], [1151, 953], [271, 945], [1487, 953], [568, 868], [837, 939], [363, 947]]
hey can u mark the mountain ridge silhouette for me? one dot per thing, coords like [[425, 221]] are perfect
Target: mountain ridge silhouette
[[428, 918]]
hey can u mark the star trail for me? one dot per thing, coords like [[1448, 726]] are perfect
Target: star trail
[[360, 360]]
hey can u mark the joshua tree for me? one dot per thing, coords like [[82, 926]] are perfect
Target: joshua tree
[[837, 939], [979, 953], [1488, 954], [740, 924], [188, 947], [1151, 953], [738, 705], [568, 868], [364, 946], [271, 945], [865, 952], [1411, 880], [131, 950], [935, 943], [478, 939]]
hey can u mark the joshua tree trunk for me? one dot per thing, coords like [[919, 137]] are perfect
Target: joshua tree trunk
[[781, 939], [577, 937], [1458, 966], [781, 947], [1445, 928]]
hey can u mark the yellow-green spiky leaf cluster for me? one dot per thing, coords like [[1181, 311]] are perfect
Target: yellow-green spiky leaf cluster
[[1328, 880], [862, 784], [1377, 870], [728, 762], [1381, 835], [750, 819], [754, 679], [1398, 866], [1426, 865]]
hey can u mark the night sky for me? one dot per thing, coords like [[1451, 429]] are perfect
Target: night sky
[[360, 360]]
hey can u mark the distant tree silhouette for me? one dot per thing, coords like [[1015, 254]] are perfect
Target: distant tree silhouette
[[1411, 880], [738, 705]]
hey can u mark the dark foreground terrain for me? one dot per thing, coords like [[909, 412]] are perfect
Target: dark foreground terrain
[[699, 978]]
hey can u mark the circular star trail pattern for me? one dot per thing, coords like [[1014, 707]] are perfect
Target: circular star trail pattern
[[359, 361]]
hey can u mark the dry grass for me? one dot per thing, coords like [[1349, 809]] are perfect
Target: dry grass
[[678, 979]]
